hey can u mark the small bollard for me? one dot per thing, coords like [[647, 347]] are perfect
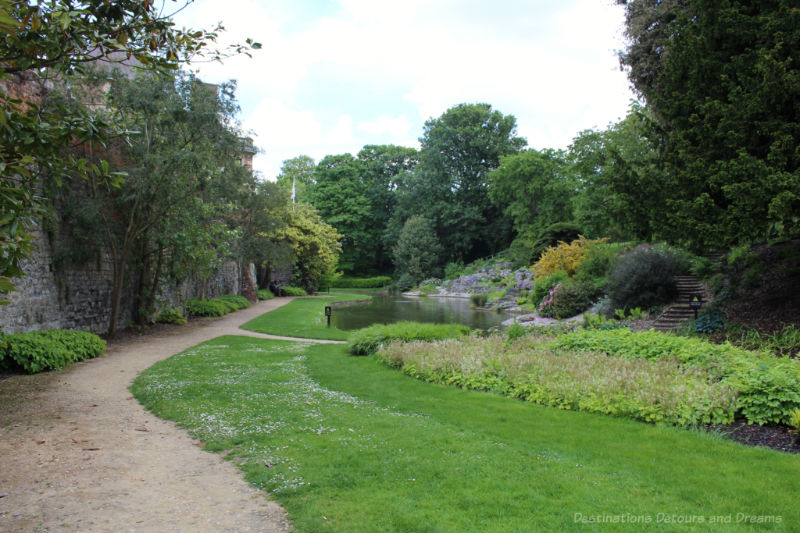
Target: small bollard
[[328, 314]]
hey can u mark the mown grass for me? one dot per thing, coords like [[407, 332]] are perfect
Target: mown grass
[[346, 444], [303, 318]]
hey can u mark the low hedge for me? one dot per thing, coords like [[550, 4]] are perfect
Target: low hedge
[[288, 290], [767, 387], [265, 294], [223, 305], [50, 349], [367, 340], [346, 282]]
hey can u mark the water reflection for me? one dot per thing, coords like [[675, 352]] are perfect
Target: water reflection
[[385, 309]]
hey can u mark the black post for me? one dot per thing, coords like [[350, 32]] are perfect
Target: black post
[[328, 314]]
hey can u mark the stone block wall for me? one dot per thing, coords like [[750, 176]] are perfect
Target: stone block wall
[[80, 298]]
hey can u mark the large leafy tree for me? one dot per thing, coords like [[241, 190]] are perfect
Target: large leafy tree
[[340, 198], [451, 185], [384, 169], [723, 82], [53, 39], [314, 245], [297, 173], [538, 189], [418, 252], [620, 180]]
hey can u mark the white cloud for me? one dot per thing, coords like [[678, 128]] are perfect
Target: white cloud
[[551, 65]]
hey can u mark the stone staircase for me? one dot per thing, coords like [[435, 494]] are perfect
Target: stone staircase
[[679, 312]]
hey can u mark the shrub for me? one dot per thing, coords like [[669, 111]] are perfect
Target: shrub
[[552, 235], [599, 261], [478, 299], [50, 349], [171, 316], [794, 420], [238, 302], [405, 282], [572, 299], [564, 257], [196, 307], [542, 286], [709, 322], [367, 340], [643, 278], [546, 305], [289, 290], [515, 331], [265, 294], [767, 388], [453, 270], [347, 282]]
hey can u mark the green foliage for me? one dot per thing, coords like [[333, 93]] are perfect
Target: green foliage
[[478, 299], [794, 421], [265, 294], [599, 262], [515, 331], [51, 349], [223, 305], [314, 245], [171, 316], [643, 278], [348, 282], [238, 302], [367, 340], [767, 388], [418, 251], [288, 290], [543, 285], [454, 270], [527, 368], [600, 322], [722, 82], [405, 282], [572, 299], [784, 342], [536, 188], [710, 322]]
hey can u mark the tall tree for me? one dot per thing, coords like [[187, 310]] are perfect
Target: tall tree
[[450, 185], [340, 198], [538, 189], [54, 39], [384, 169], [723, 81], [297, 173], [418, 250]]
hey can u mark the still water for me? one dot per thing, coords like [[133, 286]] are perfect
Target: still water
[[385, 309]]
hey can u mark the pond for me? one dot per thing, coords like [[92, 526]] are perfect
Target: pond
[[385, 309]]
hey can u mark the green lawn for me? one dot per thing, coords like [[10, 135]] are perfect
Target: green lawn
[[346, 444], [303, 318]]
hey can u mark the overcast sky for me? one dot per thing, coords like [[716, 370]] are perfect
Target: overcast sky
[[335, 75]]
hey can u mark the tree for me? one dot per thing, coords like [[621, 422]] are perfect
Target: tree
[[384, 169], [450, 185], [340, 198], [52, 40], [185, 154], [538, 190], [722, 82], [297, 172], [620, 177], [418, 250], [314, 245]]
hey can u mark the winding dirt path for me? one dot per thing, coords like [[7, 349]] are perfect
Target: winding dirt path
[[78, 453]]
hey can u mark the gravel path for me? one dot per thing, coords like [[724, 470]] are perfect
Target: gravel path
[[78, 453]]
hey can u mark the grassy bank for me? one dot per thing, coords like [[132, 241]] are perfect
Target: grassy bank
[[303, 318], [346, 444]]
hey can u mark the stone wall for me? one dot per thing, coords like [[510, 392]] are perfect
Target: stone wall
[[80, 298]]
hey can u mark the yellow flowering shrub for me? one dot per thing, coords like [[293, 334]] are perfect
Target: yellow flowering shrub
[[564, 257]]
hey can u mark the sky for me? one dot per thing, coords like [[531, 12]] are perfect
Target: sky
[[335, 75]]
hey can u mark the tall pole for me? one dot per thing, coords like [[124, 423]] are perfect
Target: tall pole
[[293, 194]]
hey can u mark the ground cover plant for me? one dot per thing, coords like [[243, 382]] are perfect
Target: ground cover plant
[[265, 294], [346, 444], [49, 349], [223, 305], [767, 387], [288, 290], [528, 368], [367, 340], [303, 318]]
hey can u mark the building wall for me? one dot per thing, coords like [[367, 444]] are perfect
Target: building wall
[[80, 298]]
